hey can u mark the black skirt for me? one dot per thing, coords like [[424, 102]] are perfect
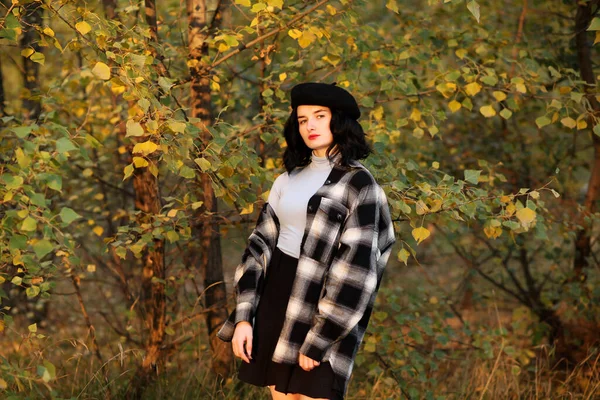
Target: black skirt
[[320, 382]]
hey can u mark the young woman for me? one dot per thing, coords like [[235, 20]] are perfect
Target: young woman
[[308, 278]]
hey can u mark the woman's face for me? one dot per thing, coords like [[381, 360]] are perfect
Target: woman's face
[[314, 128]]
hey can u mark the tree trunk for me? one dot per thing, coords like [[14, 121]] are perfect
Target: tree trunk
[[32, 17], [2, 96], [109, 8], [583, 242], [207, 228], [153, 299]]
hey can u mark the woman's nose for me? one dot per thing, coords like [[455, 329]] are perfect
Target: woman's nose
[[310, 124]]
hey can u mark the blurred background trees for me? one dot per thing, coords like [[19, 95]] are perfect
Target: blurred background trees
[[138, 140]]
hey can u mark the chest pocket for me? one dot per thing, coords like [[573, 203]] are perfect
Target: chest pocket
[[327, 226]]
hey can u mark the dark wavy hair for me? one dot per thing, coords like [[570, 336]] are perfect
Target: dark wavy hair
[[348, 136]]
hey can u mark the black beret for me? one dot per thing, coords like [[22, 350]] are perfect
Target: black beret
[[323, 94]]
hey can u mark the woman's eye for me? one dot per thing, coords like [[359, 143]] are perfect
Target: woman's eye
[[302, 122]]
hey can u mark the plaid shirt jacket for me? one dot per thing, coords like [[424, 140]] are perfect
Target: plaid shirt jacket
[[347, 242]]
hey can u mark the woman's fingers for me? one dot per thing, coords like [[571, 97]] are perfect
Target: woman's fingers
[[306, 363], [249, 347], [241, 343]]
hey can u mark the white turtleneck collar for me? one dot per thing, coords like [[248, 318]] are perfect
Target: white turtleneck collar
[[322, 163]]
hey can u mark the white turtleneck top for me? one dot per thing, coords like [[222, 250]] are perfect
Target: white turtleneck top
[[289, 198]]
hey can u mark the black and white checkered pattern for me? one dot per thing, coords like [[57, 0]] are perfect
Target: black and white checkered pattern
[[347, 241]]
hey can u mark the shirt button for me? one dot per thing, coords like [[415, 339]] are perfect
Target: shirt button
[[327, 182], [339, 217], [309, 208]]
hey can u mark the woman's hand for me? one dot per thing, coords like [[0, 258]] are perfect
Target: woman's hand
[[306, 363], [242, 341]]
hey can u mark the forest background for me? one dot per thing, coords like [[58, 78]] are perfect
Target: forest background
[[138, 140]]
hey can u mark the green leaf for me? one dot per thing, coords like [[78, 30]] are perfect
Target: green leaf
[[68, 215], [172, 236], [392, 5], [17, 280], [506, 113], [54, 182], [597, 129], [42, 247], [473, 6], [64, 145], [472, 176], [542, 121], [29, 225], [17, 242], [12, 182], [595, 25], [22, 131], [32, 328], [165, 83], [32, 291], [38, 57], [187, 172], [203, 163]]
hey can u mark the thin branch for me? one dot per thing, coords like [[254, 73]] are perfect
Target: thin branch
[[259, 39]]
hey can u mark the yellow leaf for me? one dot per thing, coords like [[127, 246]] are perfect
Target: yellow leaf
[[415, 115], [91, 268], [461, 53], [98, 230], [421, 207], [492, 232], [433, 300], [454, 106], [435, 165], [32, 328], [473, 88], [597, 40], [295, 33], [499, 95], [27, 52], [101, 71], [377, 113], [177, 127], [403, 256], [140, 162], [487, 111], [510, 209], [282, 76], [223, 47], [420, 234], [83, 27], [521, 88], [3, 384], [446, 88], [505, 199], [245, 3], [248, 210], [48, 31], [172, 213], [306, 39], [392, 5], [275, 3], [535, 194], [568, 122], [145, 148], [197, 205], [581, 124], [526, 216], [331, 10]]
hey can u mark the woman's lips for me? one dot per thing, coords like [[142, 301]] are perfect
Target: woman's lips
[[312, 137]]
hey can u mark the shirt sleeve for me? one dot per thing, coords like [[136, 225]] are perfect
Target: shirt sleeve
[[352, 278]]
